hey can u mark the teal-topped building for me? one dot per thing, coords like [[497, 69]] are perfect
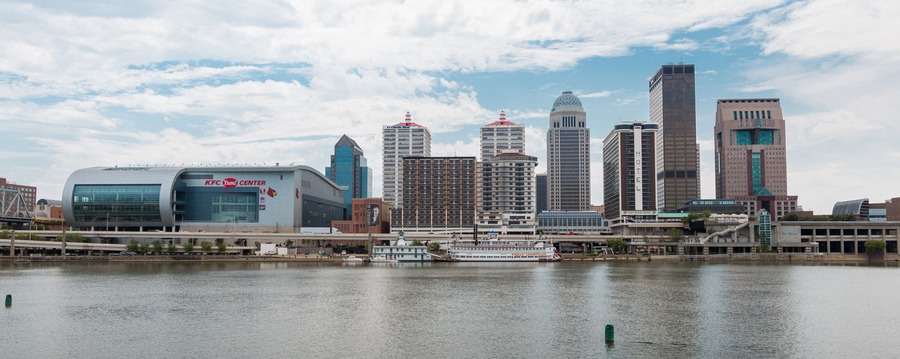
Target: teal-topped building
[[348, 168], [751, 155]]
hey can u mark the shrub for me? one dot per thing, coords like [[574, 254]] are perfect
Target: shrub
[[133, 246], [157, 247], [616, 244], [875, 246]]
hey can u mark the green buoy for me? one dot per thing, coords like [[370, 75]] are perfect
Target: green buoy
[[610, 334], [9, 300]]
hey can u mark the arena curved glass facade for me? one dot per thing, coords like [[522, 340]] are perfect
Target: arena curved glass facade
[[116, 203]]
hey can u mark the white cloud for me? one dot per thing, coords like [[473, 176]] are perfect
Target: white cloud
[[600, 94], [94, 83], [816, 29], [678, 45], [835, 68]]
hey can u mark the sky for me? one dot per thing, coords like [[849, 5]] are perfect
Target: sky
[[104, 83]]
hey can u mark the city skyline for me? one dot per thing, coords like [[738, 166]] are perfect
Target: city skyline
[[103, 84]]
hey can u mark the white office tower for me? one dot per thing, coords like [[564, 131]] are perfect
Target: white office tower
[[404, 139], [501, 136]]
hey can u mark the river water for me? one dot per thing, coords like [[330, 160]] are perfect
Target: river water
[[449, 310]]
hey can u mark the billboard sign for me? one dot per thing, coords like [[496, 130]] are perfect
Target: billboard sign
[[373, 214]]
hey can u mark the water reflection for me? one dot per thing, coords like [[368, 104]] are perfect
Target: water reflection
[[448, 310]]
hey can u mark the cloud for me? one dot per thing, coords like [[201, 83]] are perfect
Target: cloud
[[835, 71], [678, 45], [253, 82], [816, 29], [601, 94]]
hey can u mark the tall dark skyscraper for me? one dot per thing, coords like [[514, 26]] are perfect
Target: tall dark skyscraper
[[541, 181], [673, 108]]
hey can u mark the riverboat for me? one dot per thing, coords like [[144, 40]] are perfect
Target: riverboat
[[494, 249], [401, 252], [382, 259]]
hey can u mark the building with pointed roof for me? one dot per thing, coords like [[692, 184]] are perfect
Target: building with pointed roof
[[403, 139], [349, 169], [506, 181], [501, 136]]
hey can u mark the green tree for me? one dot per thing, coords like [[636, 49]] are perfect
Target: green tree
[[221, 247], [144, 248], [675, 234], [416, 242], [157, 247], [5, 234], [791, 217], [133, 246], [875, 245], [76, 238], [188, 247], [847, 217], [289, 243], [434, 247], [171, 248], [205, 247], [616, 244], [695, 215]]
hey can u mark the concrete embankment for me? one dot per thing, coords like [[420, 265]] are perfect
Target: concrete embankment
[[748, 257], [171, 259], [719, 258]]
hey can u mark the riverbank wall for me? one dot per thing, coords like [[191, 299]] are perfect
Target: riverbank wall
[[716, 258]]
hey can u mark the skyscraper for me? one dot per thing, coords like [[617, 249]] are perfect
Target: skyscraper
[[673, 108], [348, 168], [400, 140], [506, 193], [541, 191], [506, 187], [751, 158], [439, 195], [629, 174], [501, 136], [568, 156]]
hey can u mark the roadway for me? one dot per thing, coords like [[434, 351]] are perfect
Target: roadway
[[296, 237], [252, 239]]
